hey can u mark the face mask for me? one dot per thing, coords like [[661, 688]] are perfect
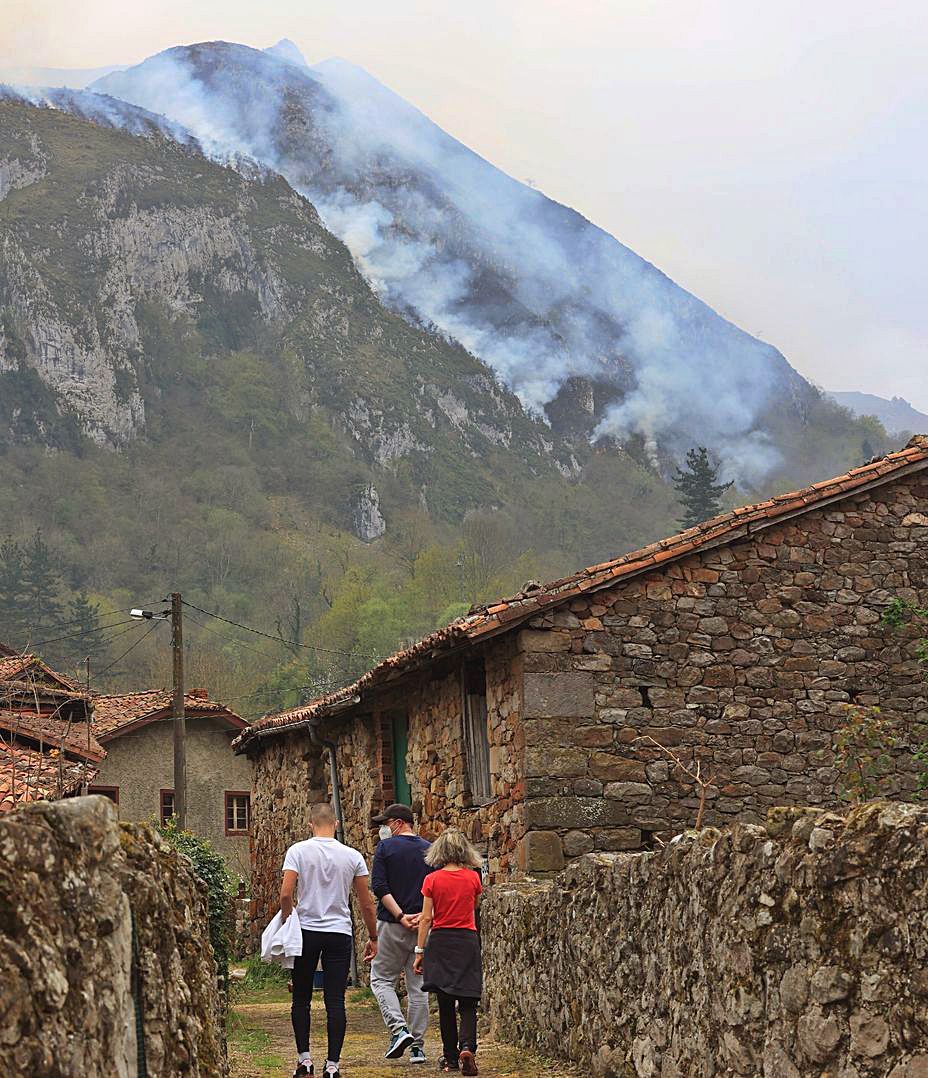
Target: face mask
[[385, 832]]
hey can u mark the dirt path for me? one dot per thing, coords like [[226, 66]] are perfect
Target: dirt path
[[261, 1043]]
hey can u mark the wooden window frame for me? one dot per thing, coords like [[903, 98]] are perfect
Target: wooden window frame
[[112, 792], [475, 736], [161, 793], [233, 832]]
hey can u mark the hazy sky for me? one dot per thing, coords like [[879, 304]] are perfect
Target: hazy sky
[[771, 158]]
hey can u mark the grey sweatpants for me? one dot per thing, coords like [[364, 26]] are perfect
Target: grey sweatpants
[[396, 953]]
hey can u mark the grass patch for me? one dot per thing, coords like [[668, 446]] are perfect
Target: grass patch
[[262, 983], [252, 1044]]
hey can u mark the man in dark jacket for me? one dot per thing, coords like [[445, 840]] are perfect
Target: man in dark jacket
[[396, 878]]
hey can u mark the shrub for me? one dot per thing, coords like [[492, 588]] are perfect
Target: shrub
[[211, 868]]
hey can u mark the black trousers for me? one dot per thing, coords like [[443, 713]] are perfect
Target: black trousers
[[335, 949], [453, 1040]]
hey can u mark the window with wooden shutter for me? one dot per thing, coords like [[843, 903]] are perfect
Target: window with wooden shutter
[[167, 806], [476, 734]]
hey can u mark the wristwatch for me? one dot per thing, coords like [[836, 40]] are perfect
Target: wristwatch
[[419, 950]]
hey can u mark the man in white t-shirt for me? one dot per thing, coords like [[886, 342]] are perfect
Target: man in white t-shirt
[[322, 872]]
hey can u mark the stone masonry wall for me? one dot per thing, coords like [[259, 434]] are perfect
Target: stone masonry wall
[[289, 776], [436, 766], [744, 657], [71, 880], [793, 949]]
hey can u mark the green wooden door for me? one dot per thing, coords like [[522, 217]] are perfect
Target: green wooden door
[[400, 748]]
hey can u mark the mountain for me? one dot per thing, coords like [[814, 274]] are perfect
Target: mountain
[[897, 415], [552, 303], [200, 391], [73, 78]]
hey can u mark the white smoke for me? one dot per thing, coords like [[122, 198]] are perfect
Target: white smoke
[[529, 286]]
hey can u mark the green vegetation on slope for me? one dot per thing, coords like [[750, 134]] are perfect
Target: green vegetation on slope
[[276, 390]]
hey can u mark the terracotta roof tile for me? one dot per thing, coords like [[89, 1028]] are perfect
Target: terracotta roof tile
[[26, 774], [482, 621], [113, 712], [53, 731]]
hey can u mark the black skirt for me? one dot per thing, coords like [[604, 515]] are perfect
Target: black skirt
[[451, 962]]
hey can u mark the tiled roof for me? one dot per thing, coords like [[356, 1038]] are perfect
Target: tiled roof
[[485, 621], [26, 774], [112, 714], [14, 666], [53, 731]]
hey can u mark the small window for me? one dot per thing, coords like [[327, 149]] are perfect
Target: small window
[[238, 812], [476, 735], [112, 792], [167, 806]]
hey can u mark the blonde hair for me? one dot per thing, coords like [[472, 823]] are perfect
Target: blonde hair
[[452, 848]]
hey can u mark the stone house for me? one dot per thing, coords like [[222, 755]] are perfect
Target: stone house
[[739, 644], [47, 748], [136, 731]]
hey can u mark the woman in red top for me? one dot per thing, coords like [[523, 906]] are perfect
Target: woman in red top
[[450, 961]]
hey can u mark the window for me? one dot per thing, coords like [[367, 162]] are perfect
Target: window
[[167, 806], [476, 737], [112, 792], [238, 812]]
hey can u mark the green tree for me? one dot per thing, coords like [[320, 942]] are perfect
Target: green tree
[[41, 587], [698, 488], [84, 621], [11, 592]]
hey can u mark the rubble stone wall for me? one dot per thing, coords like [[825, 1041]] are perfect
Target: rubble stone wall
[[73, 882], [743, 657], [289, 776], [791, 949]]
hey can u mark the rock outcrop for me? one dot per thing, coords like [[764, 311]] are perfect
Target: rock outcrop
[[105, 958], [791, 949]]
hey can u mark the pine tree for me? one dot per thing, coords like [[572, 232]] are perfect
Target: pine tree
[[41, 585], [12, 620], [84, 620], [698, 488]]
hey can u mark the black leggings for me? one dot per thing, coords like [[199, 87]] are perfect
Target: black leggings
[[335, 948], [451, 1040]]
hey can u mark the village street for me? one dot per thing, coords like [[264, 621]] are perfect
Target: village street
[[261, 1041]]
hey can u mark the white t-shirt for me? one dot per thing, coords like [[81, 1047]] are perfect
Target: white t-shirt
[[326, 870]]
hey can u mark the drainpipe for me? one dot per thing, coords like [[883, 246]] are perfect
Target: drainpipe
[[330, 747]]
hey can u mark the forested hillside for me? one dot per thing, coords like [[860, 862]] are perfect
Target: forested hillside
[[199, 392]]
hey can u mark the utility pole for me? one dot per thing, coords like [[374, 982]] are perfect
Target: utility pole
[[180, 722]]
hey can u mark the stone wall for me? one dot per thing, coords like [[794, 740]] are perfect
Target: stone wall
[[289, 775], [72, 881], [792, 949], [744, 657]]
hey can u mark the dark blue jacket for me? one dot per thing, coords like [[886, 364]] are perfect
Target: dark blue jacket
[[399, 869]]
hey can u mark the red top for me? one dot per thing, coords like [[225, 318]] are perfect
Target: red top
[[454, 897]]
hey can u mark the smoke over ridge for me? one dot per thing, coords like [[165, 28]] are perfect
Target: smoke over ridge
[[530, 286]]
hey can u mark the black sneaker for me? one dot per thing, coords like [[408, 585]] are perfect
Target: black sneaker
[[304, 1070], [446, 1065], [399, 1042], [328, 1073], [416, 1054]]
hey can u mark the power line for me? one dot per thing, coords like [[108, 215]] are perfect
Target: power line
[[132, 647], [79, 621], [80, 636], [276, 639], [232, 639]]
